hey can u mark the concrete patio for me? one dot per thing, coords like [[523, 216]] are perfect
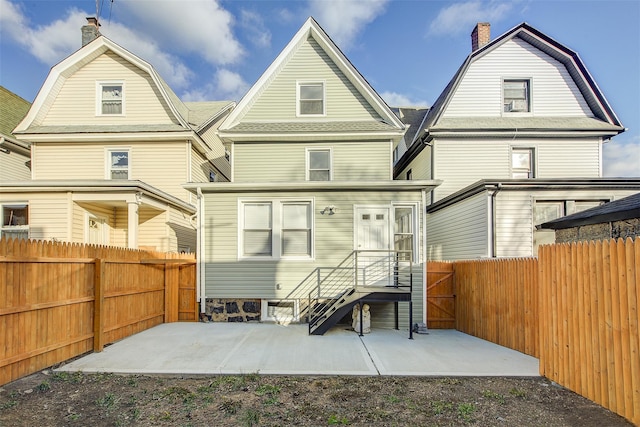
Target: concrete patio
[[236, 348]]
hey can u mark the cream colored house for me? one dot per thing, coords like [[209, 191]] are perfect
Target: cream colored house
[[111, 146], [516, 138], [312, 221]]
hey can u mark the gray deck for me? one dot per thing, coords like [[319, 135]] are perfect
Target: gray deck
[[235, 348]]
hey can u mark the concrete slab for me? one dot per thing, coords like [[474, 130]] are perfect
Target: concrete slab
[[241, 348]]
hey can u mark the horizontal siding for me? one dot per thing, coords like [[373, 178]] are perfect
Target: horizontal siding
[[13, 167], [420, 166], [514, 215], [161, 164], [310, 63], [459, 231], [75, 102], [462, 162], [553, 92], [226, 277], [217, 153], [286, 161], [154, 230], [48, 214], [182, 234]]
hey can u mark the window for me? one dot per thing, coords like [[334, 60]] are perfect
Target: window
[[522, 163], [516, 96], [276, 229], [296, 229], [319, 165], [257, 230], [311, 99], [15, 221], [118, 164], [403, 232], [111, 98], [212, 176]]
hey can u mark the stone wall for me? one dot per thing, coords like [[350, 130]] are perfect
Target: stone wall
[[602, 231], [233, 310]]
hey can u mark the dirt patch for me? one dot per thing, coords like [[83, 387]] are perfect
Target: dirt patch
[[58, 398]]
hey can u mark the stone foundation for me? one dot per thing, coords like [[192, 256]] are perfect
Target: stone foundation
[[603, 231], [233, 310]]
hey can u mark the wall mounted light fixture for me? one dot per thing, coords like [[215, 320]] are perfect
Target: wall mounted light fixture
[[331, 210]]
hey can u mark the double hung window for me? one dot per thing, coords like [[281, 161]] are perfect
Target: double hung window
[[319, 165], [516, 96], [118, 164], [311, 99], [15, 221], [522, 163], [110, 98], [276, 229]]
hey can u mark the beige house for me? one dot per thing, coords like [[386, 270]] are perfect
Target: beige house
[[312, 221], [516, 138], [111, 146]]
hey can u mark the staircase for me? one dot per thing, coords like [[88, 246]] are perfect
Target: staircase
[[364, 276]]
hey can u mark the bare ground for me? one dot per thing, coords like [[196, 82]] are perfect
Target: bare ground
[[62, 399]]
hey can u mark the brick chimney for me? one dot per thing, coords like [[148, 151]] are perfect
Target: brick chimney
[[480, 36], [90, 31]]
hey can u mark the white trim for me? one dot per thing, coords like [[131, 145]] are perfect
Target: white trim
[[308, 163], [276, 227], [324, 97], [107, 160], [264, 311], [99, 85], [533, 158]]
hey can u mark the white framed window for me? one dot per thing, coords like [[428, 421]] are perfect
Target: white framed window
[[275, 229], [110, 98], [257, 230], [15, 220], [522, 162], [118, 163], [319, 164], [516, 95], [310, 99], [279, 311], [404, 231]]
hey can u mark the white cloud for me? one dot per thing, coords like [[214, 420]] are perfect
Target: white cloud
[[462, 17], [344, 19], [622, 158], [200, 27], [253, 25], [394, 99], [225, 84], [49, 43]]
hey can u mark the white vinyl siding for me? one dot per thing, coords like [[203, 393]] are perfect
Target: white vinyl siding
[[278, 162], [310, 64], [491, 159], [420, 166], [217, 154], [49, 214], [553, 91], [226, 277], [76, 101], [459, 231], [13, 167]]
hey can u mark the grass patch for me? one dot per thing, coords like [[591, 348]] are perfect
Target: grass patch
[[43, 386], [518, 392], [251, 418], [466, 410], [439, 407], [335, 420], [493, 395]]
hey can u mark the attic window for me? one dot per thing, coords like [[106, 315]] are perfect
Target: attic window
[[110, 98], [516, 96], [311, 99]]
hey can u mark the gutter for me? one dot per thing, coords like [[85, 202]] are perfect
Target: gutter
[[494, 244], [200, 272]]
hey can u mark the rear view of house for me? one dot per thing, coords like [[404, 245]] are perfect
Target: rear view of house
[[312, 221]]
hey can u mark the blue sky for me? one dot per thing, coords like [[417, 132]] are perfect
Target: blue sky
[[407, 49]]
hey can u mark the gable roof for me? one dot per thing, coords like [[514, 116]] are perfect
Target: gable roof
[[12, 109], [605, 116], [311, 29], [618, 210]]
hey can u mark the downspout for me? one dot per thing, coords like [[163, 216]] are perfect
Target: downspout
[[494, 244], [423, 257], [200, 279]]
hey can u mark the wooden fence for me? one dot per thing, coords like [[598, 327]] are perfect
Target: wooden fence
[[497, 300], [589, 316], [576, 307], [60, 300]]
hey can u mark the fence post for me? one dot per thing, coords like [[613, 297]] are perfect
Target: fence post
[[98, 306]]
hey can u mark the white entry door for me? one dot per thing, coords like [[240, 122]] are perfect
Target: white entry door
[[97, 230], [372, 234]]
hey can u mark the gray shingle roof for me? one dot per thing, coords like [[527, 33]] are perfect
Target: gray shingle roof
[[200, 112], [413, 117], [618, 210], [311, 127]]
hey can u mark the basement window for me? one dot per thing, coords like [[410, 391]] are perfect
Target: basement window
[[279, 311]]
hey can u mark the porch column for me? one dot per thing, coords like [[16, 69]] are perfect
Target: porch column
[[132, 225]]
